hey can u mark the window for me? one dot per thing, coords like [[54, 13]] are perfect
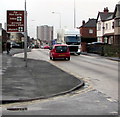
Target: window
[[105, 40], [106, 26], [61, 49], [72, 38], [110, 26], [117, 23], [99, 26], [110, 41], [99, 39], [90, 31]]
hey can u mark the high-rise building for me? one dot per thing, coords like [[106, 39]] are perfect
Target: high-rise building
[[45, 33]]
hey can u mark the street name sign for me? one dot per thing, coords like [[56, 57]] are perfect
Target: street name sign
[[15, 21]]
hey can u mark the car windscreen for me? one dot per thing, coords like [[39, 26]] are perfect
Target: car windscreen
[[72, 39], [61, 49]]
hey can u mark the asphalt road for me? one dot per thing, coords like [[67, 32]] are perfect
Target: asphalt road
[[98, 97], [101, 72]]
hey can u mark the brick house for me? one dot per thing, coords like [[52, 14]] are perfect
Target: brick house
[[88, 33]]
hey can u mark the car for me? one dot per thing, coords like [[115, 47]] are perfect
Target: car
[[33, 45], [46, 47], [42, 47], [15, 45], [59, 51], [36, 46]]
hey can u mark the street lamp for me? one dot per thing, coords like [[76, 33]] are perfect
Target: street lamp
[[74, 15], [59, 17], [25, 34]]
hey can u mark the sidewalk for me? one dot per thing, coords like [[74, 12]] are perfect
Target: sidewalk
[[114, 58], [92, 54], [39, 80]]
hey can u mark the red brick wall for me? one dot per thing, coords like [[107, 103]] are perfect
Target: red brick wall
[[85, 32]]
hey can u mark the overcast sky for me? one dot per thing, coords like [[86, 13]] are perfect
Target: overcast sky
[[40, 11]]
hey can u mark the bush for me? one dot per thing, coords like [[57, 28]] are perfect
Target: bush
[[111, 50]]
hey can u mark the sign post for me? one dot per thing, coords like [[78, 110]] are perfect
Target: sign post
[[17, 22]]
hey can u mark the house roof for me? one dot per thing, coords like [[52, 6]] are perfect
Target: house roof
[[105, 16], [117, 11], [90, 23]]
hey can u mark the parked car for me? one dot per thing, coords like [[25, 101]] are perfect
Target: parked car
[[95, 47], [36, 46], [15, 45], [46, 47], [59, 51], [42, 47]]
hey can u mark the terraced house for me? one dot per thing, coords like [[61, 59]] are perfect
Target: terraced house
[[116, 17], [108, 26], [105, 26]]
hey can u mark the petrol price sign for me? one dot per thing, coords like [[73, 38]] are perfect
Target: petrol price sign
[[15, 21]]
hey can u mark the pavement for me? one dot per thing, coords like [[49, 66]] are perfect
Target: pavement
[[39, 80], [110, 58]]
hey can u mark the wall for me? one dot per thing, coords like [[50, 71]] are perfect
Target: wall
[[110, 28], [100, 32], [85, 32]]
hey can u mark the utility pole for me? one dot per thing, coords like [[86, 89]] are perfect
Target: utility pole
[[25, 36], [74, 15]]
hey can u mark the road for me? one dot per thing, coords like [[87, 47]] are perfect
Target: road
[[100, 97], [101, 72]]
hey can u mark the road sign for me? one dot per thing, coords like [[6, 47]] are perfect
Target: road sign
[[15, 21]]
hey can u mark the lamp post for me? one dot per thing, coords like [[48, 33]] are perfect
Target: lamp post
[[25, 36], [74, 15], [59, 18]]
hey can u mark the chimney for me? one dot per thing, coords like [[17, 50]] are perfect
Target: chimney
[[106, 10], [83, 22]]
